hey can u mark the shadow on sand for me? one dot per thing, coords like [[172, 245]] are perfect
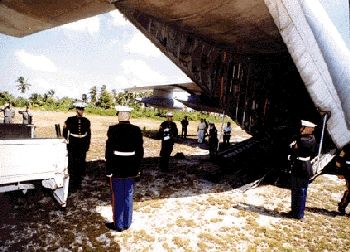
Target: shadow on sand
[[262, 210]]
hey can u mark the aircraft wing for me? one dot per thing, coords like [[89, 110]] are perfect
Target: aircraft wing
[[190, 87], [164, 97]]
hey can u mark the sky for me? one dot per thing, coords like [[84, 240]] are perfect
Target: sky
[[70, 59]]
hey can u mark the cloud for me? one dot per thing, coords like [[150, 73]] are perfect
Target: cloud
[[35, 62], [118, 19], [64, 88], [40, 85], [90, 25], [139, 44], [122, 82], [139, 73]]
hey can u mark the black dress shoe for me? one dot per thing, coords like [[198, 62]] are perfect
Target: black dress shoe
[[288, 215], [341, 211], [291, 215], [110, 225]]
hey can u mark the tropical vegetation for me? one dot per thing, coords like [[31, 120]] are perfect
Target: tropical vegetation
[[100, 101]]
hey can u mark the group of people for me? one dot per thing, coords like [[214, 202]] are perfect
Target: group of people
[[124, 152], [9, 114], [203, 130]]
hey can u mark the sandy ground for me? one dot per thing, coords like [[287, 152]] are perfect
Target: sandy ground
[[183, 210]]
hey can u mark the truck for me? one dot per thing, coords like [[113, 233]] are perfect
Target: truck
[[24, 159]]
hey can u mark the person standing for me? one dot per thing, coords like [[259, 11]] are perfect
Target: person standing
[[205, 129], [9, 113], [213, 140], [124, 153], [77, 131], [184, 124], [26, 116], [227, 134], [303, 149], [167, 131], [201, 130], [343, 167]]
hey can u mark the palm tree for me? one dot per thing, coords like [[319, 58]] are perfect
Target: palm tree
[[23, 85], [84, 97], [51, 93], [93, 94]]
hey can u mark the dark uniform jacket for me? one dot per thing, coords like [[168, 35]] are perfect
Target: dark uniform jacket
[[213, 136], [305, 148], [124, 139], [343, 158], [168, 130], [184, 123], [78, 133]]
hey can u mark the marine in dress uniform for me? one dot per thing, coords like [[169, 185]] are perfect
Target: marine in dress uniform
[[167, 131], [124, 152], [343, 167], [303, 149], [77, 132], [184, 124]]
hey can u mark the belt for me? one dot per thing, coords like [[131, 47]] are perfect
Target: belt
[[78, 136], [124, 153], [303, 158]]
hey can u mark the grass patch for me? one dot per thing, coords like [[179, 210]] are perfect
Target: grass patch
[[182, 222], [142, 236], [181, 242]]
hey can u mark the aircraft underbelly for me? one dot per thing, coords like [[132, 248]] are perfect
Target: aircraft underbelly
[[260, 60], [265, 82]]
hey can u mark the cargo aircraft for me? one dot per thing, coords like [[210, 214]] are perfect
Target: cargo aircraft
[[177, 96], [267, 63]]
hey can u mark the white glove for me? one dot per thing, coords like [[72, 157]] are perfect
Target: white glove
[[292, 144]]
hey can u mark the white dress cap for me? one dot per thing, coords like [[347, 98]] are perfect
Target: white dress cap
[[307, 124], [169, 114], [123, 108], [80, 104]]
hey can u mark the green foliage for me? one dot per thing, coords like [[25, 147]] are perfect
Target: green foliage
[[36, 99], [93, 94], [95, 110], [20, 102], [105, 100], [104, 105], [126, 98], [84, 98], [159, 114], [65, 103], [6, 97], [50, 93]]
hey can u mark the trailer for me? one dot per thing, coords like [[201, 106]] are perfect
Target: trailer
[[25, 160]]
